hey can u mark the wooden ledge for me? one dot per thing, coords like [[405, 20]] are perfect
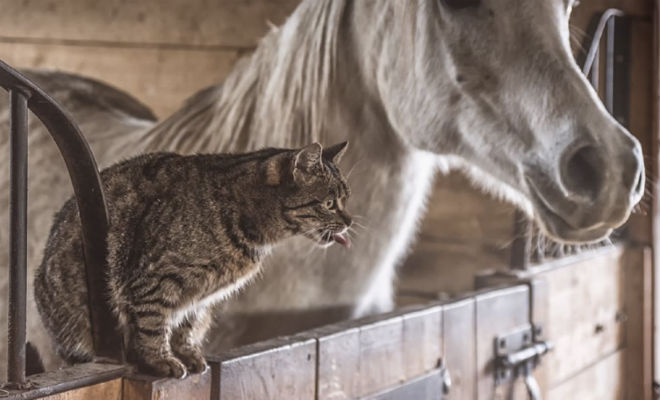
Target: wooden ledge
[[90, 376]]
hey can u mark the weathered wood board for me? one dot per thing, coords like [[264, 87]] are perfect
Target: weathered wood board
[[162, 79], [140, 387], [181, 23], [460, 348], [277, 369], [602, 381], [111, 390]]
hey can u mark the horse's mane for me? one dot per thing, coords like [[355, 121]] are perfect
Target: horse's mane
[[274, 97]]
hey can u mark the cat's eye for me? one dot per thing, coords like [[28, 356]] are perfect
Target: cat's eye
[[329, 204]]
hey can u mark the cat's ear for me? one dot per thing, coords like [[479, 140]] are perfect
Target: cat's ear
[[336, 152], [306, 162]]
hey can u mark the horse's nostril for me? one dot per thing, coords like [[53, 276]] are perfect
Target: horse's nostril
[[639, 183], [582, 172]]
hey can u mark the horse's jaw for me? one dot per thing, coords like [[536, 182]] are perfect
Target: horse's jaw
[[496, 86]]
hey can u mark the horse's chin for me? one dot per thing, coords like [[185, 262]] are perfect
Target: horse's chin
[[557, 228]]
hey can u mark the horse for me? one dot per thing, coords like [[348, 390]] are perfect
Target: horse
[[418, 86]]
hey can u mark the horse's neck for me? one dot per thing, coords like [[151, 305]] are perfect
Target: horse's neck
[[259, 105]]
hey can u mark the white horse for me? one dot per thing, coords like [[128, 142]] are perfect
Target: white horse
[[488, 86]]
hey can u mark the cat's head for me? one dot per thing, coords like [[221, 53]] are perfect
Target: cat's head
[[316, 199]]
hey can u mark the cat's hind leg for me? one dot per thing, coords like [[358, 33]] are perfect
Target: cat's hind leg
[[150, 333], [187, 339]]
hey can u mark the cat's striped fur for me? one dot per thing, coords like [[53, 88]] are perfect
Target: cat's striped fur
[[186, 232]]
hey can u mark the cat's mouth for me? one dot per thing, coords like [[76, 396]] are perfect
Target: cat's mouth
[[342, 238]]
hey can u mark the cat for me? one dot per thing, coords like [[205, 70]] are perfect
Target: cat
[[186, 232]]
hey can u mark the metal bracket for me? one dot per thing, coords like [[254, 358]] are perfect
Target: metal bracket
[[517, 354]]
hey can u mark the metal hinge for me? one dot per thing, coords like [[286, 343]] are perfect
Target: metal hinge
[[517, 354]]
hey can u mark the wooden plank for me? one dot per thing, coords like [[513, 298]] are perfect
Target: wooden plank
[[283, 368], [585, 298], [338, 363], [422, 340], [460, 348], [601, 381], [227, 23], [427, 387], [638, 265], [639, 227], [111, 390], [463, 232], [162, 79], [142, 387], [498, 312], [70, 380], [654, 182], [381, 355]]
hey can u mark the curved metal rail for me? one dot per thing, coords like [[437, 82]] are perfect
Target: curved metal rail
[[88, 191]]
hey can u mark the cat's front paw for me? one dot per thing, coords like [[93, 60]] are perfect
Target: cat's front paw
[[167, 367], [193, 360]]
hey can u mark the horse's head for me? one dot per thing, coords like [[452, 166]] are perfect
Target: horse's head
[[493, 85]]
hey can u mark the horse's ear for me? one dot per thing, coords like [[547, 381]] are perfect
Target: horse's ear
[[336, 152], [307, 161]]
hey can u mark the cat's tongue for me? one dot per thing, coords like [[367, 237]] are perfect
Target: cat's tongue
[[342, 240]]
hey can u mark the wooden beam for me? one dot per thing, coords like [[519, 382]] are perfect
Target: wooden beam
[[143, 387]]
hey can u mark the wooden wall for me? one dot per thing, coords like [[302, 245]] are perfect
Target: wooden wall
[[159, 51]]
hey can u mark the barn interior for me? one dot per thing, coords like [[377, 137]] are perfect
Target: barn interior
[[475, 257]]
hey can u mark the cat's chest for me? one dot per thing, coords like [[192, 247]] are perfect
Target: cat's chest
[[216, 293]]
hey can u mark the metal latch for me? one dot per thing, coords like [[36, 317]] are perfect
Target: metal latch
[[517, 354]]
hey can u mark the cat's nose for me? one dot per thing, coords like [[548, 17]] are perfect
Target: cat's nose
[[347, 220]]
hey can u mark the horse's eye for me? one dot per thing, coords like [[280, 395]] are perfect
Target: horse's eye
[[458, 4]]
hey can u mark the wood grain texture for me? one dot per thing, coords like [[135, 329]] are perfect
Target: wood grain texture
[[283, 368], [460, 354], [71, 381], [639, 227], [338, 361], [381, 355], [226, 23], [463, 232], [142, 387], [498, 312], [162, 79], [422, 341], [427, 387], [585, 299], [601, 381], [638, 309], [111, 390]]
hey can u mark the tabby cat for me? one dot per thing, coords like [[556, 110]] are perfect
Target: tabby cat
[[186, 232]]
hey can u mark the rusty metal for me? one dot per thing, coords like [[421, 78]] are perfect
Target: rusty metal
[[91, 204]]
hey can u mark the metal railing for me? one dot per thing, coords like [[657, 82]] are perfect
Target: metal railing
[[24, 95], [615, 27]]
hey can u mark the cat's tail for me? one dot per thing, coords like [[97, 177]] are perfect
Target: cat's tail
[[33, 362], [61, 298]]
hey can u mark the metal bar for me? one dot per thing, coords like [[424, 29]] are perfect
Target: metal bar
[[609, 65], [621, 59], [17, 236], [595, 71], [598, 34], [91, 205]]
